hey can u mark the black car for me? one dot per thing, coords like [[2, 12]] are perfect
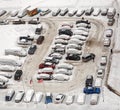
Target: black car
[[89, 81], [82, 21], [18, 74], [18, 22], [32, 49], [53, 60], [87, 57], [73, 57], [38, 30], [55, 13], [65, 31], [34, 21]]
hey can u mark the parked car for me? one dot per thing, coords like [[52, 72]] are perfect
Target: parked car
[[63, 71], [64, 37], [65, 31], [18, 21], [89, 11], [2, 12], [19, 96], [79, 37], [59, 50], [94, 99], [48, 98], [9, 95], [96, 11], [8, 68], [98, 82], [34, 21], [64, 12], [74, 46], [80, 12], [44, 76], [75, 57], [40, 39], [100, 73], [18, 74], [46, 70], [38, 30], [6, 74], [60, 77], [107, 42], [3, 85], [45, 12], [59, 98], [91, 90], [14, 13], [85, 21], [56, 12], [3, 79], [65, 66], [29, 95], [111, 22], [108, 32], [81, 99], [47, 64], [56, 55], [104, 11], [52, 60], [70, 99], [61, 41], [75, 41], [111, 13], [37, 97], [70, 25], [72, 12], [4, 22], [89, 81], [58, 46], [87, 57], [103, 60], [32, 49]]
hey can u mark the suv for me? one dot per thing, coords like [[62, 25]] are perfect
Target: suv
[[32, 49], [75, 57], [88, 57], [89, 81], [18, 74]]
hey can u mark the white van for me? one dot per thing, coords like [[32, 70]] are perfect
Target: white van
[[94, 99], [37, 97], [3, 79], [28, 95], [65, 65], [98, 82], [10, 60], [8, 68], [111, 12], [73, 51], [16, 51], [81, 99]]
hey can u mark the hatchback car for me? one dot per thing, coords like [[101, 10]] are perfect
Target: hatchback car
[[89, 81], [87, 57], [32, 49], [59, 98], [18, 74]]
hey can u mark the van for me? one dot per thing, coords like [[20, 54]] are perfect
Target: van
[[40, 39], [19, 96], [28, 95], [111, 13], [16, 51], [3, 79], [9, 95], [7, 68], [98, 82], [81, 99], [94, 99], [10, 60], [65, 66]]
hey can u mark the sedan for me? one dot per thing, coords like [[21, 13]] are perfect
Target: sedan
[[61, 77], [59, 98], [63, 71], [32, 49], [70, 99], [47, 64], [18, 22], [18, 75], [74, 57]]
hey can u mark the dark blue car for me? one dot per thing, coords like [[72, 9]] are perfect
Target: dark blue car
[[91, 90]]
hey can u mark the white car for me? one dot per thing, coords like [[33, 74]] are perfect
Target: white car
[[60, 77], [75, 46], [80, 32], [100, 73], [104, 12], [81, 98], [75, 41], [63, 71], [98, 82], [3, 79], [65, 37], [96, 12], [43, 76], [79, 37], [107, 42], [103, 60], [59, 98], [6, 74], [58, 46], [61, 41], [65, 66], [80, 12], [72, 12], [70, 99], [19, 96], [14, 13], [108, 32], [73, 51], [7, 68], [56, 55], [37, 97]]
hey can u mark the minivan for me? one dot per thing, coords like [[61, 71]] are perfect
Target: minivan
[[40, 39], [9, 95]]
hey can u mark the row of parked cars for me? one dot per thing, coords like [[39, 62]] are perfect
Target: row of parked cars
[[36, 97]]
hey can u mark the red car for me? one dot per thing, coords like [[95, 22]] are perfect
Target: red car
[[43, 65]]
